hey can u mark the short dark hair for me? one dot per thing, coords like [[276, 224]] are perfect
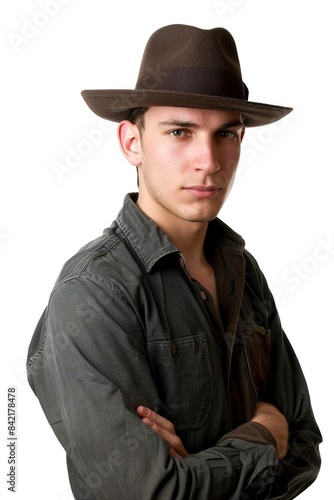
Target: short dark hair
[[136, 116]]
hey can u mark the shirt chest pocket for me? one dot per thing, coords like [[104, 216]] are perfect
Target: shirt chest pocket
[[182, 372]]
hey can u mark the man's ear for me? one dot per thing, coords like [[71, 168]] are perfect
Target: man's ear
[[130, 142]]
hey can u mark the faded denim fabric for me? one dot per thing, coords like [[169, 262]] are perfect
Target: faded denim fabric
[[126, 325]]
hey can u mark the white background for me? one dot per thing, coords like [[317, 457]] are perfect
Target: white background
[[282, 202]]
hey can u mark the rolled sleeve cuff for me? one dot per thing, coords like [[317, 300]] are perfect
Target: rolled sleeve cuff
[[252, 432]]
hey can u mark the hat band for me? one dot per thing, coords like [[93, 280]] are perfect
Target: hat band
[[206, 81]]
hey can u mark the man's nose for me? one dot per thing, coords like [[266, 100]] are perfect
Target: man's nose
[[206, 158]]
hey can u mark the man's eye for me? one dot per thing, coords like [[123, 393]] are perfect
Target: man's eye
[[177, 133], [226, 134]]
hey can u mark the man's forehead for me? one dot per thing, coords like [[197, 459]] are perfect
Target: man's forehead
[[171, 113]]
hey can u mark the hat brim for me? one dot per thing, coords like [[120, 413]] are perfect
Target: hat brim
[[114, 105]]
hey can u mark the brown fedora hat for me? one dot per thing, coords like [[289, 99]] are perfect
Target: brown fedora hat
[[187, 67]]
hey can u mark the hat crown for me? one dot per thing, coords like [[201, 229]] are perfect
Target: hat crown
[[185, 58]]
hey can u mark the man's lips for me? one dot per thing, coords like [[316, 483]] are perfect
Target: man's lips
[[203, 191]]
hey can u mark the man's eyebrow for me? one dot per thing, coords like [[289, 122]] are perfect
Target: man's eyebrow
[[234, 123], [180, 123]]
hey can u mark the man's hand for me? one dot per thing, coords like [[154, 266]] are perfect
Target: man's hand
[[264, 413], [271, 418], [163, 428]]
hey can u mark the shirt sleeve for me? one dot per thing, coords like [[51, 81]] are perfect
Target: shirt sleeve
[[289, 393]]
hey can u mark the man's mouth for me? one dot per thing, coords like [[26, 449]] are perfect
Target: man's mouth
[[203, 191]]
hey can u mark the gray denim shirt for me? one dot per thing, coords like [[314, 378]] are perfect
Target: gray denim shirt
[[126, 325]]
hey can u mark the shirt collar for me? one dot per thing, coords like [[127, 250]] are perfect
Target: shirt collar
[[151, 243]]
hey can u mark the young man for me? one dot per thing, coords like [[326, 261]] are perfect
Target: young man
[[160, 361]]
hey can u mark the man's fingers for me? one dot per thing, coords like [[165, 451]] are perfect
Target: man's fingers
[[163, 428], [151, 417]]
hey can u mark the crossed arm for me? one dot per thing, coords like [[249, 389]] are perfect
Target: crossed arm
[[264, 413]]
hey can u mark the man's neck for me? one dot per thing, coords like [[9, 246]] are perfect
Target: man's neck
[[189, 239], [191, 245], [187, 236]]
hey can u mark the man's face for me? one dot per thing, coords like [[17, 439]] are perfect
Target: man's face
[[188, 163]]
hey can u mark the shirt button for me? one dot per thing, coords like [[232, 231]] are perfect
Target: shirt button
[[173, 347], [203, 295]]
